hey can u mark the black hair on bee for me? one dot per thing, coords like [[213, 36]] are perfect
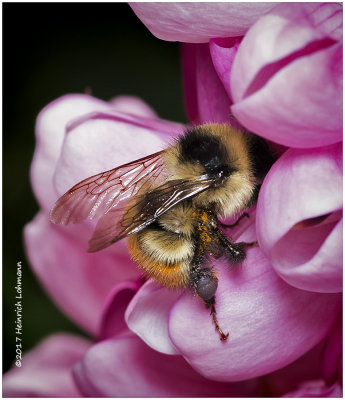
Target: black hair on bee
[[197, 145]]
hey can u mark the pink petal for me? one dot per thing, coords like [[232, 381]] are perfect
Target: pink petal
[[132, 105], [223, 53], [316, 388], [50, 131], [78, 281], [199, 22], [147, 316], [206, 98], [333, 354], [98, 142], [322, 364], [282, 33], [188, 52], [287, 379], [112, 320], [291, 52], [259, 310], [126, 367], [46, 371], [298, 218]]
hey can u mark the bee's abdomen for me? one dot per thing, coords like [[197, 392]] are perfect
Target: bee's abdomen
[[162, 255]]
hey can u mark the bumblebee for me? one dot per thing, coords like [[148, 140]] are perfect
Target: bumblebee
[[169, 203]]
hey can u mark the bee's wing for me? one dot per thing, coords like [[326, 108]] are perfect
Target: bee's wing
[[117, 224], [95, 196]]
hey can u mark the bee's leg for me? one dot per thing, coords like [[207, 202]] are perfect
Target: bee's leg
[[235, 223], [210, 303], [236, 252], [205, 283]]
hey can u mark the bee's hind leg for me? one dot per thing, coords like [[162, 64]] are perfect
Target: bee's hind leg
[[210, 303], [204, 283]]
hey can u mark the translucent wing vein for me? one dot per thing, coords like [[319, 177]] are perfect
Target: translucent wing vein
[[95, 196]]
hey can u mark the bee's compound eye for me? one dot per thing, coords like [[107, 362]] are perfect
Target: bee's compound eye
[[207, 286]]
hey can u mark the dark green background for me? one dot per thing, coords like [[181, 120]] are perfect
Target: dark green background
[[50, 50]]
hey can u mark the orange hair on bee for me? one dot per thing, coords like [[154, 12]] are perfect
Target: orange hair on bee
[[170, 275]]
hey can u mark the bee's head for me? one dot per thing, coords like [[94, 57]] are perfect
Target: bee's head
[[198, 146], [220, 153]]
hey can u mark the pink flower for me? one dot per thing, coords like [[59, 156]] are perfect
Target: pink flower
[[277, 69], [264, 77], [46, 370], [102, 372], [146, 373]]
